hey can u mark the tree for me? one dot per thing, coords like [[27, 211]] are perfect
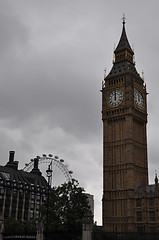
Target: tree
[[13, 226], [67, 206]]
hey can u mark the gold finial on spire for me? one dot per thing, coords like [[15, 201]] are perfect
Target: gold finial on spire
[[124, 19]]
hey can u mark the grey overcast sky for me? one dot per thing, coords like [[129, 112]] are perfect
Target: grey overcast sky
[[52, 59]]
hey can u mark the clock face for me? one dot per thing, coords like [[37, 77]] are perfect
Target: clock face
[[115, 97], [139, 99]]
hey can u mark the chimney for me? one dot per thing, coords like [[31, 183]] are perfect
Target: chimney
[[11, 163], [36, 162], [16, 164], [36, 169], [11, 156]]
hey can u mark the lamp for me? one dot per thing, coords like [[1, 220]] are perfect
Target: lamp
[[49, 176]]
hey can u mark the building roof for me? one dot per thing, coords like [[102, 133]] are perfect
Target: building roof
[[124, 61], [147, 190], [122, 68], [123, 42], [10, 174], [21, 177]]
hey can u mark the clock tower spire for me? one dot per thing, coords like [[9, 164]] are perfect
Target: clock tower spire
[[124, 115], [123, 50]]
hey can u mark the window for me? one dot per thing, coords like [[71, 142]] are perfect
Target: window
[[44, 197], [139, 216], [138, 202], [152, 216], [6, 175], [31, 213], [38, 197], [37, 213], [151, 202], [32, 205], [38, 206], [32, 196], [1, 190]]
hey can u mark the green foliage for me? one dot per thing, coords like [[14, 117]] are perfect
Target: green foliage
[[12, 226], [68, 205]]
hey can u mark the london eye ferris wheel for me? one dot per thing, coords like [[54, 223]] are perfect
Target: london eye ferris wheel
[[60, 171]]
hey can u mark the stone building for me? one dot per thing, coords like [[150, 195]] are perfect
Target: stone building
[[130, 205], [21, 193], [146, 205]]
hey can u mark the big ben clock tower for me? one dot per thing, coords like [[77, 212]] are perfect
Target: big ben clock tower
[[124, 115]]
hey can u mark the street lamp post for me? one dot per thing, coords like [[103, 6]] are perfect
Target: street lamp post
[[49, 176]]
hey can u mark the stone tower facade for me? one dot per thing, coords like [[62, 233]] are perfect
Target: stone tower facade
[[124, 115]]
